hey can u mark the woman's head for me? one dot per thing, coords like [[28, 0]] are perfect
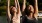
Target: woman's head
[[29, 10], [30, 7], [12, 10]]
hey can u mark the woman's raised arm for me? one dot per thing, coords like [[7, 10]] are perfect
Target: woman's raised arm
[[8, 12], [35, 8], [24, 5]]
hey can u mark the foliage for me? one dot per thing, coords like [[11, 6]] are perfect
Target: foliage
[[3, 4], [2, 10]]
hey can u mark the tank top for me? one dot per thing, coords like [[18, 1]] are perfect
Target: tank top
[[27, 20]]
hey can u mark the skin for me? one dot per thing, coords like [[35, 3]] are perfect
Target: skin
[[24, 5], [16, 11], [35, 9], [16, 16], [30, 7]]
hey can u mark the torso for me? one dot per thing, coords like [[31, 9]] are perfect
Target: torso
[[29, 20]]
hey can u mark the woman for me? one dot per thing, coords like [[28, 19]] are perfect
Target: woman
[[29, 17], [31, 13], [13, 13]]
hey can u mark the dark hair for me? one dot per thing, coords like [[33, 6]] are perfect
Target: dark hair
[[27, 11], [11, 10]]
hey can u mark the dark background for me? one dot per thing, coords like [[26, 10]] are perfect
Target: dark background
[[3, 6]]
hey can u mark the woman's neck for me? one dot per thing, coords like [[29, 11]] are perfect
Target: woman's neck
[[31, 15]]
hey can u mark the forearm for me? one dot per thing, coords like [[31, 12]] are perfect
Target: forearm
[[24, 5], [16, 16], [9, 15], [35, 9], [8, 9], [18, 6], [36, 6], [8, 12], [15, 3]]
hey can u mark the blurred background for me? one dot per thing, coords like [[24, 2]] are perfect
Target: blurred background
[[3, 6]]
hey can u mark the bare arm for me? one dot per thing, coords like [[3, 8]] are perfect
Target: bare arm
[[16, 3], [16, 17], [36, 9], [24, 5], [8, 12]]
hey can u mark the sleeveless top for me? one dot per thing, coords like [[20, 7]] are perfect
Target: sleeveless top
[[27, 20]]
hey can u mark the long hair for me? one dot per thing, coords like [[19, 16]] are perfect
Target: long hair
[[27, 11]]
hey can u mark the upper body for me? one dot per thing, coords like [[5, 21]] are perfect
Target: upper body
[[29, 17]]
